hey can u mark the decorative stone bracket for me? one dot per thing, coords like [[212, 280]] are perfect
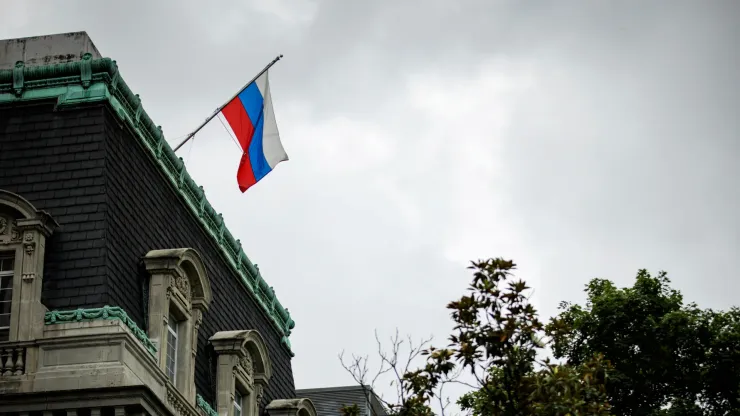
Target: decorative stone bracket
[[18, 78]]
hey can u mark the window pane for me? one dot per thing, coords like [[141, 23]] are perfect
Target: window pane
[[6, 282], [237, 404], [6, 295], [172, 325], [171, 363], [6, 264]]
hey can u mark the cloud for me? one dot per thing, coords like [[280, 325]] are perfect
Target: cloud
[[466, 120], [579, 140]]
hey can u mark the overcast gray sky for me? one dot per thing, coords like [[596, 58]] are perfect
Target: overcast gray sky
[[580, 138]]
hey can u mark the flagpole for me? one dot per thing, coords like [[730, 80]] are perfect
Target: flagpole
[[218, 110]]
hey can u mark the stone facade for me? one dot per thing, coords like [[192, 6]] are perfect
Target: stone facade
[[94, 211]]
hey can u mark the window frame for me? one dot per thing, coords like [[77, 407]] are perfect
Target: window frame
[[238, 403], [172, 330], [8, 255]]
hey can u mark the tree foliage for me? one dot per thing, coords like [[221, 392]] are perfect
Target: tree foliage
[[350, 410], [668, 358], [497, 338]]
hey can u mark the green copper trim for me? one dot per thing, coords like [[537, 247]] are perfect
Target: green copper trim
[[112, 313], [204, 406], [98, 80]]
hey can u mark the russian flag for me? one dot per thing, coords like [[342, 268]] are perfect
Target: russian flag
[[252, 122]]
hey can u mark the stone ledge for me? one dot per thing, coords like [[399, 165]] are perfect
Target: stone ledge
[[87, 355], [134, 398], [106, 313], [80, 355]]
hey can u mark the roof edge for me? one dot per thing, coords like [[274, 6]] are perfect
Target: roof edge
[[335, 388], [98, 80]]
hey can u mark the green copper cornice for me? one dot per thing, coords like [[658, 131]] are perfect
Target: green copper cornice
[[204, 406], [98, 80], [111, 313]]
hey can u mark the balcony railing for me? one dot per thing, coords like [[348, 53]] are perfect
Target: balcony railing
[[13, 358]]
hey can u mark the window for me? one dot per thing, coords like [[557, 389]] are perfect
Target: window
[[179, 294], [23, 234], [172, 348], [238, 401], [6, 295], [243, 371]]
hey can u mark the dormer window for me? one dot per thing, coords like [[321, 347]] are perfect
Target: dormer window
[[243, 371], [23, 234], [179, 294]]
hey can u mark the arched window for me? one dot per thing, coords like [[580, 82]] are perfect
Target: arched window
[[243, 371], [179, 294], [23, 234]]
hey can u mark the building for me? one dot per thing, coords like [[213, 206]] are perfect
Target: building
[[122, 292], [329, 400]]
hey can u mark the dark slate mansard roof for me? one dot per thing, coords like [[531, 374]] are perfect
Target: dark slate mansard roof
[[328, 400]]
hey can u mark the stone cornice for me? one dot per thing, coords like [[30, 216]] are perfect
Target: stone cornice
[[98, 80]]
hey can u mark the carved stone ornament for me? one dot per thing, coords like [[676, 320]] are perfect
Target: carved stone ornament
[[182, 284], [176, 402], [28, 244], [15, 235], [3, 225], [260, 394], [246, 363]]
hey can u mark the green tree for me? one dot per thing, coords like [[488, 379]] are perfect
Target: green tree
[[347, 410], [668, 358], [497, 337]]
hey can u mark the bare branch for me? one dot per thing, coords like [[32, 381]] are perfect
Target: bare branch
[[391, 362]]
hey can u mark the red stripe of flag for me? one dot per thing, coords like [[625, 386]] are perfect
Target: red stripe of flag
[[238, 119]]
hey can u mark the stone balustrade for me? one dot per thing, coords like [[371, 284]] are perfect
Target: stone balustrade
[[13, 358]]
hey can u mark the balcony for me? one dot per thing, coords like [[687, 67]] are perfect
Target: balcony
[[88, 364], [97, 362]]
